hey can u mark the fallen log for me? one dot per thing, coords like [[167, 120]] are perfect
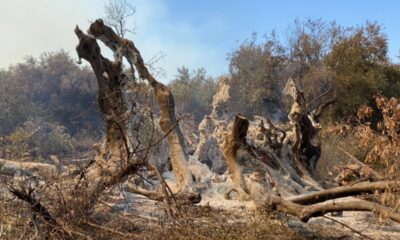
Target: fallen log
[[11, 168], [304, 213], [346, 191]]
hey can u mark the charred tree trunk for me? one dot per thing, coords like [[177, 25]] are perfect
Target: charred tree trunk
[[117, 159], [168, 122], [110, 97], [114, 161], [233, 142]]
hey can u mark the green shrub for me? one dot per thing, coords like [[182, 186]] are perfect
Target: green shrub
[[40, 138]]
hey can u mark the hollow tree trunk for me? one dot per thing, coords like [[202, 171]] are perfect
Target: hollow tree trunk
[[110, 97], [168, 122], [113, 162], [233, 142]]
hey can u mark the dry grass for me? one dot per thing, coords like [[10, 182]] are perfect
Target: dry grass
[[106, 222]]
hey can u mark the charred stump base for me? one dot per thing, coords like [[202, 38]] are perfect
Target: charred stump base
[[275, 168]]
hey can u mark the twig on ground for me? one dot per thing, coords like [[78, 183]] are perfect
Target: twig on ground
[[347, 226]]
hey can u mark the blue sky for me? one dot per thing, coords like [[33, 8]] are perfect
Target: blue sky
[[191, 33]]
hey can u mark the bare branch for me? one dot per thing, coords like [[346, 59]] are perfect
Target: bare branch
[[118, 13], [347, 226]]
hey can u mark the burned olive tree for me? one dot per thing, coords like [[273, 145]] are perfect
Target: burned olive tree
[[275, 166], [168, 122]]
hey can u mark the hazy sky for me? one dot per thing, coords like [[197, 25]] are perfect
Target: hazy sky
[[197, 33]]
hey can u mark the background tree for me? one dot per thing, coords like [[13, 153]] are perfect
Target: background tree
[[308, 43], [254, 75], [360, 67], [53, 89], [193, 92]]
